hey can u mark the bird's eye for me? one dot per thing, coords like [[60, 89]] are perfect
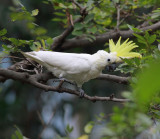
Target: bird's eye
[[108, 60]]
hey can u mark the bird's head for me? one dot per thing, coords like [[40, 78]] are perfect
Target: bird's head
[[119, 51], [107, 58], [112, 58], [123, 50]]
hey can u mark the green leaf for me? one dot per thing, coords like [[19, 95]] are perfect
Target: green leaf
[[137, 61], [139, 37], [6, 47], [38, 44], [146, 35], [40, 31], [88, 127], [59, 14], [57, 19], [14, 41], [3, 32], [89, 3], [152, 39], [148, 84], [127, 95], [62, 5], [90, 37], [18, 3], [43, 44], [69, 128], [92, 30], [78, 26], [35, 12], [49, 41], [134, 29], [89, 18], [77, 33], [33, 47], [19, 134], [13, 137]]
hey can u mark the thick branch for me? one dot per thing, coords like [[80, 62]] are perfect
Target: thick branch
[[103, 38], [46, 76], [34, 80]]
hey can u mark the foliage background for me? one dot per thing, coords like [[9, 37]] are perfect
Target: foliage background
[[46, 114]]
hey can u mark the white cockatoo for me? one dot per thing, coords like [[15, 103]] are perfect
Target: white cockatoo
[[80, 68]]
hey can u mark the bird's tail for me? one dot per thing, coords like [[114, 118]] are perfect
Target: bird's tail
[[32, 56]]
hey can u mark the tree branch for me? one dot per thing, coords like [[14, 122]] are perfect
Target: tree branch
[[46, 76], [118, 16], [103, 38], [59, 40], [77, 4], [35, 81], [114, 78]]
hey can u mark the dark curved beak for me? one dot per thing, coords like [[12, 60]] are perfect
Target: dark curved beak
[[111, 67]]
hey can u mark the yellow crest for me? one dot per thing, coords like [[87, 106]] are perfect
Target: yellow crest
[[124, 50]]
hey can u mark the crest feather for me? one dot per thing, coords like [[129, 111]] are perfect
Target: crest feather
[[124, 50]]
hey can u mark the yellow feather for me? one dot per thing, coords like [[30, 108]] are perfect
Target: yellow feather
[[131, 55], [124, 50], [111, 46]]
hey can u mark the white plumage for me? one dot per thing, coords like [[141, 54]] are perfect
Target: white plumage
[[78, 68]]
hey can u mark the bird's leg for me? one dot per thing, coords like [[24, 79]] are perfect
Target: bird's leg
[[60, 84], [67, 81], [81, 91], [61, 81], [61, 77]]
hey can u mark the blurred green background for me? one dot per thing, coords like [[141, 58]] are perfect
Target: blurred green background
[[45, 114]]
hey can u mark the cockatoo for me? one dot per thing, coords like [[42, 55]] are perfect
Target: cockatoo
[[80, 68]]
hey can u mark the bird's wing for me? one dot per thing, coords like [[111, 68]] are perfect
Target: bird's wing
[[68, 62]]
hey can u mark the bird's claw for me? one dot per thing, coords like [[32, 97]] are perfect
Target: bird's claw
[[81, 92], [64, 80], [67, 81]]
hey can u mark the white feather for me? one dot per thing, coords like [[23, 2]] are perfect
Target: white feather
[[77, 68]]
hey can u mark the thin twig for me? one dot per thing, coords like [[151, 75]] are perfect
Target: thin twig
[[45, 125], [40, 118], [128, 14], [26, 70], [5, 62], [12, 57], [77, 4], [118, 16]]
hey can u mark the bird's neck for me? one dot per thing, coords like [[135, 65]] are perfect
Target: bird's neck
[[100, 59]]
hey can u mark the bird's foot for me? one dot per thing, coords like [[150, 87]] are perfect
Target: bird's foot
[[64, 80], [61, 84], [81, 91]]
